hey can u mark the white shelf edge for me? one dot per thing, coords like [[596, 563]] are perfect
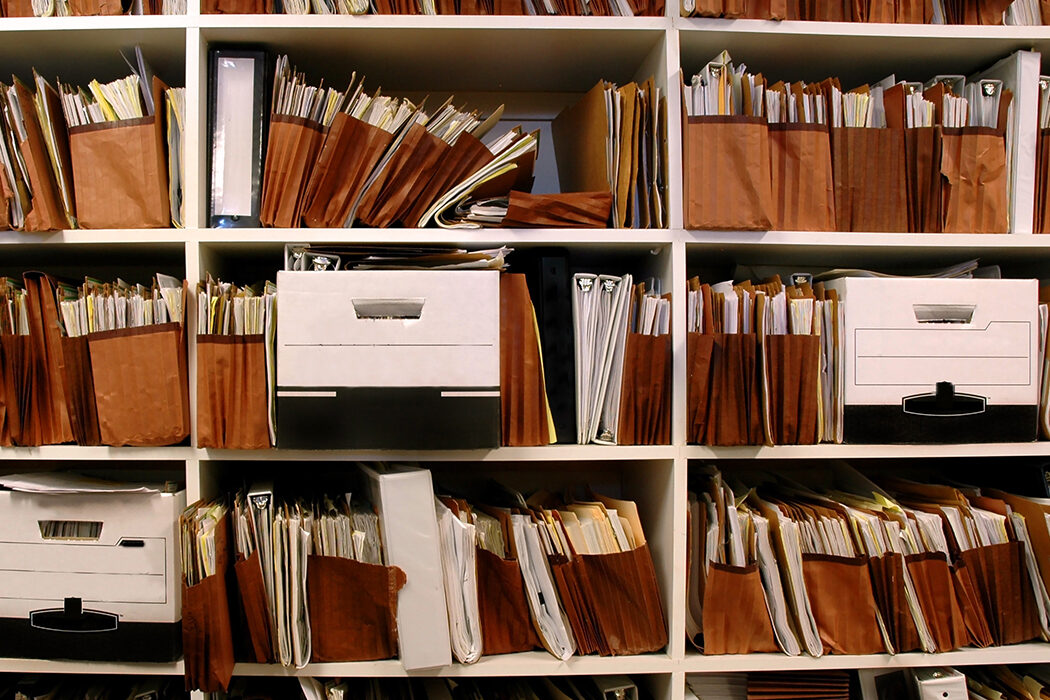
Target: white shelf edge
[[95, 23], [293, 23], [144, 237], [827, 451], [566, 236], [171, 668], [1035, 652], [501, 454], [707, 25], [97, 454], [839, 239]]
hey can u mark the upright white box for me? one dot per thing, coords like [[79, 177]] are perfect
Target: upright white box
[[940, 360], [404, 496]]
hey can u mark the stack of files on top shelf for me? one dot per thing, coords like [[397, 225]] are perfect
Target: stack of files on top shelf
[[894, 156], [236, 365], [764, 364], [623, 360], [91, 158], [982, 12], [597, 8], [845, 567], [99, 364]]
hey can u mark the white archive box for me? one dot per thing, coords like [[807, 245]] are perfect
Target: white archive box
[[388, 359], [91, 575], [940, 360]]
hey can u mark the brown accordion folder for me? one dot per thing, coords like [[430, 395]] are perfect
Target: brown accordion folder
[[84, 8], [843, 603], [524, 411], [826, 10], [975, 618], [464, 158], [577, 607], [141, 388], [350, 152], [1042, 183], [232, 411], [236, 7], [973, 162], [726, 174], [887, 582], [6, 196], [911, 12], [998, 575], [80, 391], [566, 210], [16, 378], [645, 399], [922, 170], [16, 8], [207, 639], [772, 9], [46, 417], [47, 213], [735, 616], [412, 165], [252, 592], [800, 169], [357, 627], [935, 590], [699, 350], [868, 168], [792, 369], [734, 415], [506, 626], [292, 149], [120, 171]]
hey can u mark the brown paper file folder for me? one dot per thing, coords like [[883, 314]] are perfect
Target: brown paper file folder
[[975, 617], [726, 174], [353, 609], [973, 162], [84, 8], [625, 600], [120, 171], [997, 573], [351, 150], [231, 392], [17, 8], [524, 410], [1042, 183], [569, 209], [412, 165], [236, 7], [463, 159], [645, 395], [800, 168], [699, 350], [505, 623], [256, 611], [292, 149], [140, 385], [207, 639], [568, 580], [47, 213], [15, 379], [46, 415], [922, 163], [736, 617], [734, 411], [80, 391], [935, 590], [868, 168], [792, 365], [843, 604], [580, 135], [887, 578]]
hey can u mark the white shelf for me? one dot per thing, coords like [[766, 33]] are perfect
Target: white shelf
[[828, 451], [551, 453], [96, 454], [174, 668]]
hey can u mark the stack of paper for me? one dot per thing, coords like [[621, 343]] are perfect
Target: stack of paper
[[97, 306]]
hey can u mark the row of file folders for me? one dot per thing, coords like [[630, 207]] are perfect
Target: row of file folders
[[840, 565], [388, 570], [982, 12]]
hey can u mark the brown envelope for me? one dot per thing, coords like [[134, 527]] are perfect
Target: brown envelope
[[81, 8], [727, 182], [253, 602], [140, 385], [80, 391], [47, 213], [800, 167], [47, 417], [207, 639], [232, 410], [16, 8], [1034, 513], [293, 148], [922, 169], [577, 609], [973, 162], [1042, 181], [868, 168], [792, 369], [412, 165], [16, 371], [887, 577], [625, 600], [734, 411], [998, 574], [351, 151], [936, 593], [524, 411], [974, 615], [353, 609], [504, 611], [843, 604], [736, 618], [464, 158], [566, 210], [120, 171], [644, 399], [699, 350], [580, 133]]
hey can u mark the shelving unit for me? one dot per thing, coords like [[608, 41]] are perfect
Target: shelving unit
[[536, 66]]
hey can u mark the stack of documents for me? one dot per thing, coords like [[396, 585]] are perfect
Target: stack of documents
[[175, 104], [236, 365], [621, 335], [614, 140], [765, 363]]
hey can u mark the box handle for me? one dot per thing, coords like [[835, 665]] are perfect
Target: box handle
[[389, 309], [944, 313], [945, 402]]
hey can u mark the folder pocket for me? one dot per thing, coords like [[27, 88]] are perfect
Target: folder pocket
[[86, 8], [699, 350], [351, 151], [645, 395], [353, 609], [120, 171], [937, 598], [726, 174], [843, 604], [800, 171], [922, 163], [792, 388], [868, 170], [577, 607], [523, 397], [292, 149], [972, 607], [256, 611], [412, 165], [1042, 182], [973, 162], [141, 391], [232, 410], [997, 573], [464, 158], [889, 587], [17, 8], [734, 411], [16, 374], [735, 614], [207, 639], [80, 391], [506, 626], [625, 600]]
